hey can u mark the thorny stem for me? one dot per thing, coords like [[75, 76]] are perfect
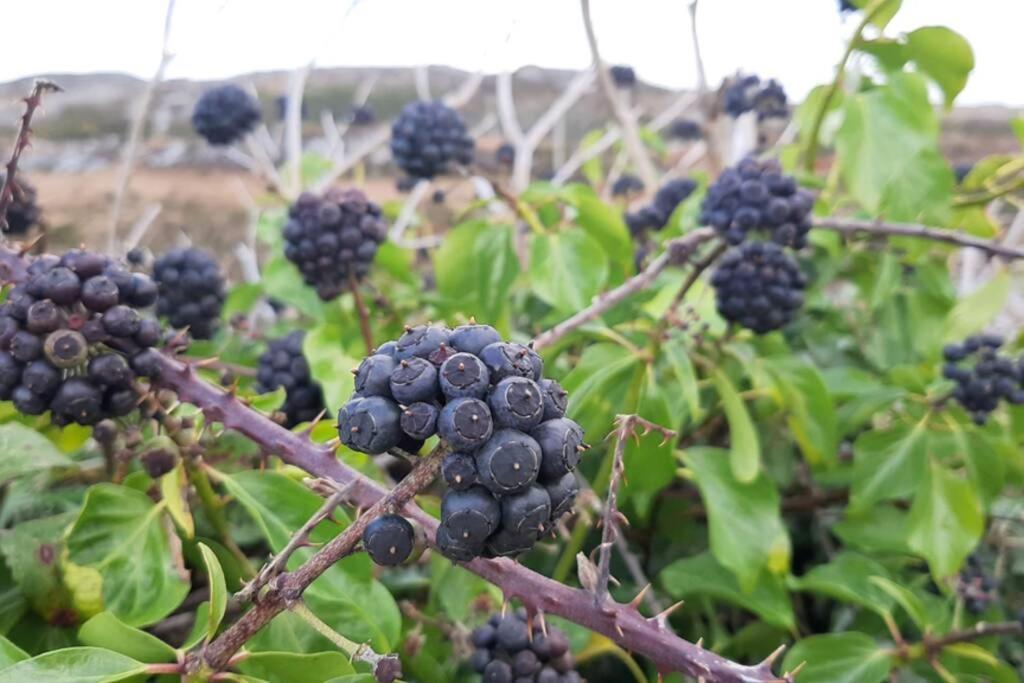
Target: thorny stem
[[21, 143], [851, 226], [364, 314]]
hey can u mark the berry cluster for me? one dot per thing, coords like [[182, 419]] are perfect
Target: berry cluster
[[22, 211], [391, 540], [623, 76], [505, 154], [225, 114], [982, 375], [976, 586], [333, 236], [191, 290], [746, 93], [284, 365], [756, 195], [428, 137], [72, 340], [627, 185], [512, 450], [685, 129], [506, 649], [654, 216], [758, 286]]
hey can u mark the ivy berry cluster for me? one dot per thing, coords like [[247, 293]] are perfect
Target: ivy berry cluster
[[191, 289], [512, 452], [655, 216], [225, 114], [511, 649], [428, 138], [72, 339], [283, 364], [747, 93], [983, 376]]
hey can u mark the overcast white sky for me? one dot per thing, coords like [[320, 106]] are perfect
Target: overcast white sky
[[796, 41]]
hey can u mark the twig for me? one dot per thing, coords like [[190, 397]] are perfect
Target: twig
[[364, 315], [137, 128], [405, 217], [423, 82], [626, 428], [631, 133], [695, 273], [852, 226], [21, 143], [298, 540], [702, 76], [931, 647], [674, 252], [141, 227], [293, 127]]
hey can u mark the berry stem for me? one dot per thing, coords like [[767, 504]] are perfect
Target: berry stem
[[359, 652], [213, 506], [364, 314], [21, 143], [852, 226]]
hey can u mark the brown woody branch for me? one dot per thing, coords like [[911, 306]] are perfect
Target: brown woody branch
[[21, 143], [852, 226], [933, 645]]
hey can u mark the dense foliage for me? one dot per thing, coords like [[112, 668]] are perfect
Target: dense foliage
[[840, 471]]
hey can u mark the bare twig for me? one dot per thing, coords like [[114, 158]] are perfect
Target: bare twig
[[21, 143], [702, 76], [135, 133], [405, 217], [851, 226], [142, 226], [423, 82], [293, 127], [695, 273], [364, 314], [626, 428], [674, 252], [631, 133]]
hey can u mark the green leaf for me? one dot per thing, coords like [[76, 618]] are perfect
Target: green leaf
[[882, 10], [107, 631], [33, 550], [887, 464], [119, 533], [454, 588], [946, 520], [241, 299], [848, 578], [686, 377], [745, 527], [73, 665], [974, 312], [218, 591], [270, 401], [888, 152], [812, 413], [26, 450], [567, 269], [944, 55], [744, 446], [905, 598], [603, 223], [475, 267], [174, 492], [599, 385], [324, 349], [290, 666], [10, 653], [649, 460], [840, 658], [282, 281], [703, 575], [876, 529]]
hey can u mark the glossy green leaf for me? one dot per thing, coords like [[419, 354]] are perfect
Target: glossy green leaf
[[703, 575], [287, 666], [455, 588], [812, 413], [218, 591], [975, 311], [120, 533], [840, 658], [10, 653], [848, 578], [905, 598], [604, 224], [887, 464], [946, 520], [107, 631], [324, 349], [73, 665], [282, 281], [475, 268], [686, 376], [32, 551], [26, 450], [944, 55], [567, 269], [875, 529], [745, 526], [744, 445]]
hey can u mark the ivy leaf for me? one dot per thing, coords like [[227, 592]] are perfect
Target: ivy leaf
[[324, 350], [686, 376], [972, 313], [282, 281], [848, 577], [744, 446], [604, 224], [703, 575], [119, 533], [599, 386], [218, 603], [840, 658], [10, 653], [73, 665], [944, 55], [33, 550], [887, 464], [454, 588], [25, 450], [107, 631], [876, 529], [567, 269], [746, 530], [291, 666], [946, 520], [812, 413], [475, 268]]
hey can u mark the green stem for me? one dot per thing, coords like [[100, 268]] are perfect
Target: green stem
[[819, 118], [213, 506], [347, 646]]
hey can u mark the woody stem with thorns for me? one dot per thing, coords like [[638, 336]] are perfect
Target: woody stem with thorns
[[21, 143]]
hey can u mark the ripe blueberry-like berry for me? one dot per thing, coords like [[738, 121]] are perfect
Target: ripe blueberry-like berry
[[556, 399], [78, 400], [465, 423], [509, 462], [225, 114], [561, 442], [655, 216], [757, 285], [121, 321], [191, 291], [414, 379], [517, 403], [459, 471], [419, 420], [421, 341], [507, 360], [390, 540], [455, 547], [562, 494], [464, 375], [756, 196], [428, 138], [100, 293], [110, 370], [333, 237], [983, 376], [66, 348], [526, 513], [627, 185], [747, 93], [471, 515], [504, 646], [370, 425]]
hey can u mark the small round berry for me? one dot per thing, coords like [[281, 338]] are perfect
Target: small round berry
[[512, 634], [414, 379], [78, 400], [561, 442], [465, 424], [464, 375], [473, 338], [497, 671], [526, 513], [389, 540], [374, 376], [516, 403], [43, 317], [421, 341], [459, 471], [370, 425], [454, 546], [41, 378], [26, 346], [556, 399], [509, 462], [562, 493], [122, 321], [419, 420], [110, 370], [507, 360], [471, 515], [66, 348]]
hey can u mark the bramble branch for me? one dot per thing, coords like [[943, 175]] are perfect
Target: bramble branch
[[21, 143], [852, 226]]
